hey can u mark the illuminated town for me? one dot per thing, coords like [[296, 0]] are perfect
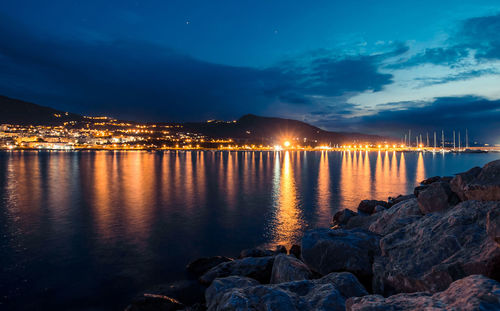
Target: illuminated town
[[105, 133]]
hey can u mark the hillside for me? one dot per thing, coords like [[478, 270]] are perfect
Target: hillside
[[14, 111], [266, 129]]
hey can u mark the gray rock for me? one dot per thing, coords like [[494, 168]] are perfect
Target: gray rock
[[438, 196], [346, 283], [326, 250], [152, 302], [378, 209], [479, 184], [361, 221], [201, 265], [474, 292], [493, 224], [368, 206], [262, 252], [419, 189], [327, 293], [258, 268], [342, 217], [400, 198], [288, 268], [214, 292], [295, 250], [430, 180], [396, 217], [437, 249]]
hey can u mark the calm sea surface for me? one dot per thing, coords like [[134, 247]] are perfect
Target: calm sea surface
[[88, 230]]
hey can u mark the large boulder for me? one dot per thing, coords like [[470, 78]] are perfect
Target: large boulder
[[201, 265], [361, 221], [396, 217], [152, 302], [295, 250], [400, 198], [439, 248], [474, 292], [430, 180], [288, 268], [479, 184], [438, 196], [327, 293], [262, 252], [368, 206], [327, 250], [419, 189], [258, 268], [215, 291], [342, 217], [493, 225]]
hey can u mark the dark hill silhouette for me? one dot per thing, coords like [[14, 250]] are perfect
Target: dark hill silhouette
[[266, 129], [15, 111], [248, 129]]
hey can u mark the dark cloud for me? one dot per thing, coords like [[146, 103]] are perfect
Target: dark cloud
[[141, 80], [478, 35], [481, 116]]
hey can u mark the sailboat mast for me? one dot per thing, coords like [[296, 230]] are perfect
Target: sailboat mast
[[466, 138], [459, 141], [427, 139], [434, 139], [442, 139], [453, 139]]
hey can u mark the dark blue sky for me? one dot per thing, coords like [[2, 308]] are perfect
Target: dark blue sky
[[373, 66]]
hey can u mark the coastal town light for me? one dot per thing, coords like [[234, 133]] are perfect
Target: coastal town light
[[286, 143]]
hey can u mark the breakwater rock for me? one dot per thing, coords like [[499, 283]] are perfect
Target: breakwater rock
[[435, 249]]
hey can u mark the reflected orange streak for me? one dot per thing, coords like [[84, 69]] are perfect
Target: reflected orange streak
[[324, 194], [287, 222], [420, 175]]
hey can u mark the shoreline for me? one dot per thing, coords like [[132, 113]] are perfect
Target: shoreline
[[417, 243], [474, 150]]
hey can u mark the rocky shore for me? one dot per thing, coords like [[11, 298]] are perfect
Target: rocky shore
[[435, 249]]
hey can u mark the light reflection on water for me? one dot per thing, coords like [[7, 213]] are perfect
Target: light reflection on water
[[92, 228]]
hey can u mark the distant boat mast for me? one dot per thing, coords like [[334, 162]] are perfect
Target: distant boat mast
[[466, 139], [453, 139], [442, 139]]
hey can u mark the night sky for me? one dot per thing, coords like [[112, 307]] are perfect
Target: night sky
[[373, 66]]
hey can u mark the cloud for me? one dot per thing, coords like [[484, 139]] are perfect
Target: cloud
[[475, 37], [480, 115], [142, 80]]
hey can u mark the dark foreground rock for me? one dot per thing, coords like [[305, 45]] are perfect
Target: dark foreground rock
[[474, 292], [432, 252], [288, 268], [342, 217], [201, 265], [295, 250], [258, 268], [436, 197], [400, 198], [479, 184], [262, 252], [151, 302], [493, 224], [326, 250], [396, 217], [327, 293], [368, 206]]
